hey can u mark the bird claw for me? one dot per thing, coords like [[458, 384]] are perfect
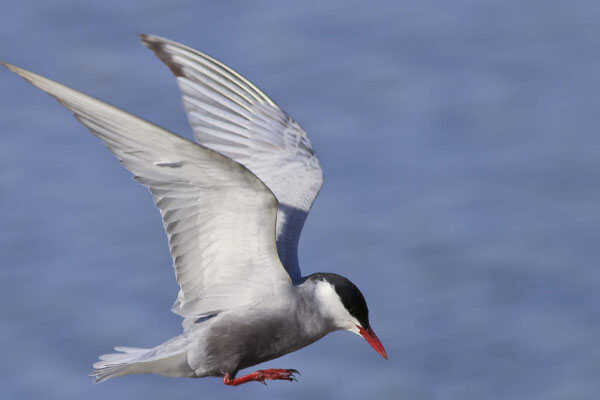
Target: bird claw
[[263, 376], [279, 374]]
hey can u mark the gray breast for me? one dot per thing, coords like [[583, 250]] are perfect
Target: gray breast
[[236, 341]]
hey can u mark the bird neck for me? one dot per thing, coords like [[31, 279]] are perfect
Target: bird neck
[[311, 310]]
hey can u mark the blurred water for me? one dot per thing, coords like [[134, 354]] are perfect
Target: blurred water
[[460, 147]]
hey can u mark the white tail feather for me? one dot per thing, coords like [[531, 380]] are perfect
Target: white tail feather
[[168, 359]]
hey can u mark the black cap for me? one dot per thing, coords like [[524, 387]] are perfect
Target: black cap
[[351, 297]]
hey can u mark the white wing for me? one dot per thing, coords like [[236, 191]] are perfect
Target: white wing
[[232, 116], [219, 218]]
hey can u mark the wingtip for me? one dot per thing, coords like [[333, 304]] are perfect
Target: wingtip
[[17, 70], [156, 44], [23, 73], [149, 40], [11, 67]]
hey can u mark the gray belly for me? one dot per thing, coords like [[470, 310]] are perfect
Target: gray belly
[[239, 342]]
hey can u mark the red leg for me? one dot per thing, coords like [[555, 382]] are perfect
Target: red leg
[[262, 376]]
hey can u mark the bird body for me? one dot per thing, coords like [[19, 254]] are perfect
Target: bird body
[[233, 206], [237, 339]]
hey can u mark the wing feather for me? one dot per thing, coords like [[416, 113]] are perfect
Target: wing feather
[[219, 217], [233, 117]]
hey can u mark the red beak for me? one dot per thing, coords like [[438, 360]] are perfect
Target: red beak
[[373, 340]]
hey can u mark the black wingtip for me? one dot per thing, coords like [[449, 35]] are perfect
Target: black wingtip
[[156, 44], [146, 39], [144, 36]]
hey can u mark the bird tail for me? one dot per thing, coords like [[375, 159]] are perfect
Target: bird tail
[[168, 359], [118, 364]]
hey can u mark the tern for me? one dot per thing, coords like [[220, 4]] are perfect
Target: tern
[[233, 205]]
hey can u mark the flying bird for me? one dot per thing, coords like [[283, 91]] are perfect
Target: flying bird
[[233, 206]]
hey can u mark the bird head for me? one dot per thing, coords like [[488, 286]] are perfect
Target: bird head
[[343, 303]]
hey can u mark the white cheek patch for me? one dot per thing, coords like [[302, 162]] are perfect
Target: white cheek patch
[[333, 307]]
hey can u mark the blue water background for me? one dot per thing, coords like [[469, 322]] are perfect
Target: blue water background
[[461, 153]]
